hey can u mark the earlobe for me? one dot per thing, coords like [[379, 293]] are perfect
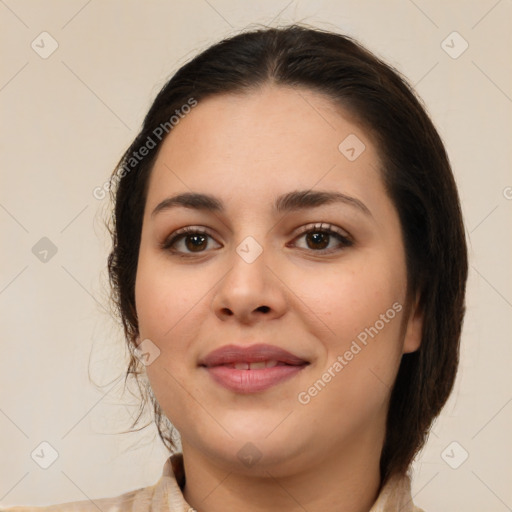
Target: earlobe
[[414, 328]]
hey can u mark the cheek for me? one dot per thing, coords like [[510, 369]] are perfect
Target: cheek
[[353, 381], [171, 302], [167, 302], [362, 306], [352, 296], [166, 297]]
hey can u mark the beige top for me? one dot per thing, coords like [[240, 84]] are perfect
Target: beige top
[[166, 496]]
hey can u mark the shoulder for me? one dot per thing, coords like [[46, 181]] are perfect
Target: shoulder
[[396, 495], [164, 495], [126, 502]]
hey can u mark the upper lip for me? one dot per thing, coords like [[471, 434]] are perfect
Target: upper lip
[[229, 354]]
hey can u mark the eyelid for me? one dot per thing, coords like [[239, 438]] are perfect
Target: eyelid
[[324, 226], [168, 240]]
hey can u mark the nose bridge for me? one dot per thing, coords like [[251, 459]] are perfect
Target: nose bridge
[[251, 234], [248, 264], [250, 249]]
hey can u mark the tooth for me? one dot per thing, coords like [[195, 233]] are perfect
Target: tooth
[[272, 363], [241, 366], [257, 366]]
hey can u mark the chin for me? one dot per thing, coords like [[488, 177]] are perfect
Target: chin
[[257, 449]]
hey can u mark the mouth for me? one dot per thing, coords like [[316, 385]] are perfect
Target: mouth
[[251, 369]]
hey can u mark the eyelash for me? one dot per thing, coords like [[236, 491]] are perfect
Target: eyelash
[[326, 229]]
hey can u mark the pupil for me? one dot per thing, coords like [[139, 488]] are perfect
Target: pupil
[[195, 239], [317, 239]]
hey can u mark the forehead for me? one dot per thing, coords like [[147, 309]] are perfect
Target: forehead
[[262, 122], [263, 143]]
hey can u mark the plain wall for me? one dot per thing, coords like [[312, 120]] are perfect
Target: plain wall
[[66, 120]]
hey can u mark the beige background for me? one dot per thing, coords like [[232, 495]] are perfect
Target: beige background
[[66, 121]]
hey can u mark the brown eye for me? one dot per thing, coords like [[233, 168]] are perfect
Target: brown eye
[[319, 237], [317, 240], [187, 240], [195, 242]]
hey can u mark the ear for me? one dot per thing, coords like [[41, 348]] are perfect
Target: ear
[[414, 328]]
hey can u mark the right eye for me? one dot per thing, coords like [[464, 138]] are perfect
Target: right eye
[[187, 240]]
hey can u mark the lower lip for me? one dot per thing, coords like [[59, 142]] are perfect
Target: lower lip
[[252, 381]]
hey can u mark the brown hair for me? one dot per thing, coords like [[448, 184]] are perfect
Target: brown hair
[[416, 172]]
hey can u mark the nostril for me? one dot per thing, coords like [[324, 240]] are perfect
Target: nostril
[[265, 309]]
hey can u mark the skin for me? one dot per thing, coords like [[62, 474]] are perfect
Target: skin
[[247, 149]]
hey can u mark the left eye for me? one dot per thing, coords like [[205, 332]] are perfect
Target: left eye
[[319, 237]]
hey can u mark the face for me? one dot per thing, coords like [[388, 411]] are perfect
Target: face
[[277, 323]]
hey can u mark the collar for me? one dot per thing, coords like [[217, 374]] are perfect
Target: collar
[[394, 496]]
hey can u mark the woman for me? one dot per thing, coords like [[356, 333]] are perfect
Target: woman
[[289, 263]]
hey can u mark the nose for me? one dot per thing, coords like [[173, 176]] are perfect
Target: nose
[[250, 291]]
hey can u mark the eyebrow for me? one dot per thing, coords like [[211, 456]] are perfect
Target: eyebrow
[[292, 201]]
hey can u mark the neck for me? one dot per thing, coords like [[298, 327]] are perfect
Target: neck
[[343, 483]]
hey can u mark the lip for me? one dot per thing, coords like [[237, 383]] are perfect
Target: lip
[[220, 365]]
